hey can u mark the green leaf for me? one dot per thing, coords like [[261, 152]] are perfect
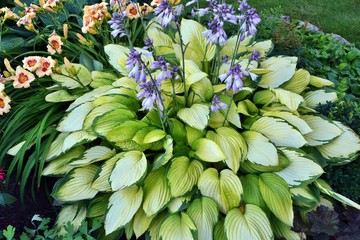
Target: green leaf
[[56, 146], [279, 132], [207, 150], [183, 175], [232, 114], [131, 167], [260, 149], [98, 206], [100, 78], [70, 213], [323, 130], [177, 226], [74, 120], [277, 197], [252, 194], [162, 159], [125, 131], [320, 82], [289, 99], [196, 116], [249, 222], [298, 82], [281, 230], [154, 135], [225, 188], [204, 212], [247, 108], [142, 222], [123, 204], [219, 231], [60, 96], [232, 144], [89, 96], [301, 170], [156, 192], [92, 155], [76, 185], [178, 204], [6, 199]]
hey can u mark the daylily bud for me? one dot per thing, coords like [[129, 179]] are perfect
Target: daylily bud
[[65, 30], [20, 4], [41, 2], [8, 66], [81, 38]]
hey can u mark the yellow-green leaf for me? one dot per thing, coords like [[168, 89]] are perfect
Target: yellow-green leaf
[[290, 99], [142, 222], [92, 155], [294, 120], [177, 226], [73, 121], [314, 98], [282, 70], [196, 116], [298, 82], [207, 150]]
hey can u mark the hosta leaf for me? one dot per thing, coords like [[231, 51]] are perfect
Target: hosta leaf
[[279, 132], [56, 146], [301, 170], [82, 78], [264, 47], [77, 138], [73, 121], [102, 178], [100, 78], [282, 71], [183, 175], [225, 188], [264, 97], [58, 166], [155, 225], [128, 170], [219, 231], [298, 82], [204, 212], [193, 134], [98, 206], [156, 191], [197, 49], [289, 99], [294, 120], [281, 230], [260, 149], [320, 82], [323, 130], [232, 144], [247, 108], [125, 131], [203, 89], [162, 159], [178, 226], [123, 204], [103, 124], [314, 98], [76, 185], [277, 197], [344, 148], [117, 95], [252, 194], [304, 197], [207, 150], [178, 204], [232, 114], [118, 56], [196, 116], [70, 213], [60, 96], [142, 222], [321, 184], [92, 155], [154, 135], [248, 223]]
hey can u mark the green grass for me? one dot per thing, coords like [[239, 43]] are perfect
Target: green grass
[[332, 16]]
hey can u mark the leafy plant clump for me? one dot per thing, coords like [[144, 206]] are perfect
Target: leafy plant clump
[[191, 133]]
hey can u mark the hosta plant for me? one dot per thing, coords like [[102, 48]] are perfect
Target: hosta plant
[[199, 135]]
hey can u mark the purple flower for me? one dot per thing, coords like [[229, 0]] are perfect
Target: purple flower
[[233, 78], [216, 104], [225, 59], [148, 43], [150, 92], [117, 24], [164, 13], [248, 20], [216, 33], [136, 66], [164, 66], [255, 56]]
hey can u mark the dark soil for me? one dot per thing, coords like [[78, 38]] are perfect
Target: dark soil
[[19, 214]]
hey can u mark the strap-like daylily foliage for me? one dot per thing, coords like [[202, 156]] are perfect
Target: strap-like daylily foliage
[[206, 159]]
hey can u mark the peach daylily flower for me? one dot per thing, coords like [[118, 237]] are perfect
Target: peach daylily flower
[[8, 13], [4, 104], [45, 66], [55, 44], [155, 3], [2, 87], [50, 3], [31, 63], [146, 9], [22, 78], [132, 11]]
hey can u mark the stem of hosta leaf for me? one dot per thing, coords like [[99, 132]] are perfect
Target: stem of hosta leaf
[[183, 61], [237, 44]]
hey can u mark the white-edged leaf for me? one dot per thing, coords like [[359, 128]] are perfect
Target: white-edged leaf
[[323, 132], [92, 155], [207, 150], [224, 187], [298, 82], [74, 213], [60, 96], [123, 204], [277, 197], [320, 82], [232, 144], [290, 99], [301, 170], [314, 98], [56, 146], [294, 120], [196, 116], [73, 121], [251, 223], [156, 191], [183, 175], [177, 204], [98, 206], [177, 226], [77, 138], [345, 147], [118, 56], [281, 230], [278, 131], [260, 150], [128, 170], [282, 70], [76, 185], [142, 222], [204, 212]]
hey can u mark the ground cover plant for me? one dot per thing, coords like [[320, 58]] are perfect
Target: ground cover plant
[[175, 129]]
